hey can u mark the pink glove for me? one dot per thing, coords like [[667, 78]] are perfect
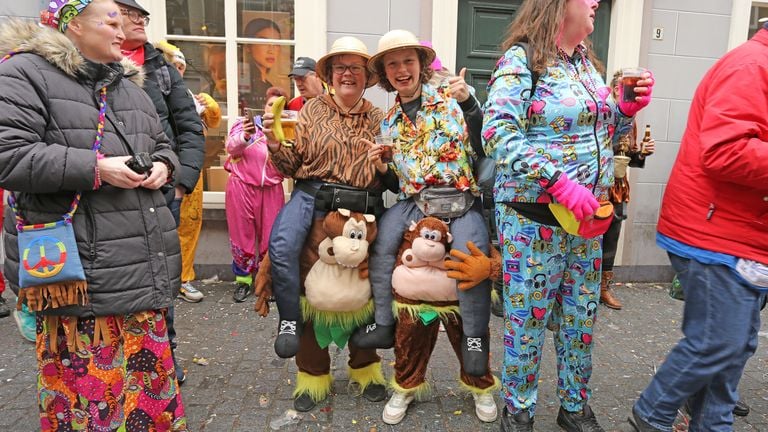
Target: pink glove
[[574, 197], [631, 108]]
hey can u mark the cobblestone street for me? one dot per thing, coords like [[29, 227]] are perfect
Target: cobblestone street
[[245, 386]]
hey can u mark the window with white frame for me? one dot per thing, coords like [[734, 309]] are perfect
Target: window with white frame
[[757, 17], [234, 57]]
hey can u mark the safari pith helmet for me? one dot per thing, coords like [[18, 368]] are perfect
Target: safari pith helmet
[[396, 40], [346, 45]]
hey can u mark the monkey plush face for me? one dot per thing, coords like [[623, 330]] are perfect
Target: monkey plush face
[[350, 234], [431, 239]]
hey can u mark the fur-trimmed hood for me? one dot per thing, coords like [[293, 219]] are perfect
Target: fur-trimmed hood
[[27, 36]]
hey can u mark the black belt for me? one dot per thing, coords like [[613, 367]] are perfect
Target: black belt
[[539, 213], [331, 196]]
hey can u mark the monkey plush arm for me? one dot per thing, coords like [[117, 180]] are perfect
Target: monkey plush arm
[[363, 269], [263, 287], [472, 269]]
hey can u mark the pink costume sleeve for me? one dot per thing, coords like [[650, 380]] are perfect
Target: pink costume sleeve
[[236, 142]]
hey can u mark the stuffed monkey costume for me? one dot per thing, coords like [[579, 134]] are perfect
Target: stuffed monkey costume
[[335, 300], [424, 297]]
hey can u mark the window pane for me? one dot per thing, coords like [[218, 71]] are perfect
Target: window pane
[[261, 66], [206, 69], [757, 17], [213, 172], [195, 17], [269, 19]]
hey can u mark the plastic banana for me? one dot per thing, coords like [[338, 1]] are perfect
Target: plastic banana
[[277, 126]]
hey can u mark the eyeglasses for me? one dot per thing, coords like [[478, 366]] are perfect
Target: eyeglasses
[[136, 17], [339, 69]]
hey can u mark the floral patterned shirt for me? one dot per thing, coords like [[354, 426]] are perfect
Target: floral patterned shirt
[[433, 151]]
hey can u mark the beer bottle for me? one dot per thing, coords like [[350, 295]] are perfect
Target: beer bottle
[[646, 140]]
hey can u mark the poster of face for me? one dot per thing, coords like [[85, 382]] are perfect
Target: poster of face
[[264, 65]]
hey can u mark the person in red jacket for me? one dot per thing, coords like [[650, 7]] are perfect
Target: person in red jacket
[[713, 226]]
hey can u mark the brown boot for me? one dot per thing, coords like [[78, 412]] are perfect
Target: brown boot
[[606, 295]]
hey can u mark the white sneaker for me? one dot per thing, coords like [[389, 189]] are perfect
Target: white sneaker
[[485, 407], [394, 411], [189, 293]]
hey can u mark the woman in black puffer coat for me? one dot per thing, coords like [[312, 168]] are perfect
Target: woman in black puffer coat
[[104, 359]]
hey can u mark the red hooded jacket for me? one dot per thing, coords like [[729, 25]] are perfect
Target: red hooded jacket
[[717, 196]]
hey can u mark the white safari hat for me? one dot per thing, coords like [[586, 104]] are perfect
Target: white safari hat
[[395, 40], [342, 46]]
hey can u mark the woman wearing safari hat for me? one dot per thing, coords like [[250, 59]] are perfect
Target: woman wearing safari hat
[[432, 155], [329, 158]]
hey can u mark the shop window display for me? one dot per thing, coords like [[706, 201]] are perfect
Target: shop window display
[[263, 57]]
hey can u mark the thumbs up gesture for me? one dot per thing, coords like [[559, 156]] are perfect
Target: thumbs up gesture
[[458, 87]]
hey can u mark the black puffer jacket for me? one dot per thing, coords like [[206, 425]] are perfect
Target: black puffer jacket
[[176, 109], [49, 104]]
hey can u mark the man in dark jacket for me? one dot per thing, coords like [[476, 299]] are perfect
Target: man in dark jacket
[[176, 109], [173, 102]]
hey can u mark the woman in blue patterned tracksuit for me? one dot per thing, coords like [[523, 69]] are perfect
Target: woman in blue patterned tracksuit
[[549, 122]]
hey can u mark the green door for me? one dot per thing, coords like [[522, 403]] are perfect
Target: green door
[[482, 26]]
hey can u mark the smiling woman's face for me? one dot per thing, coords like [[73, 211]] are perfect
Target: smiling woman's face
[[349, 84], [98, 32], [403, 70]]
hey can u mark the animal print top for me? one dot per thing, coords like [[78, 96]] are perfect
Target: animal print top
[[328, 146]]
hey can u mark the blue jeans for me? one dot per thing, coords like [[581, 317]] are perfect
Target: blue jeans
[[286, 242], [175, 207], [721, 319]]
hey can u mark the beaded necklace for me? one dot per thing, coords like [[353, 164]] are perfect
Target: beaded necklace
[[586, 65]]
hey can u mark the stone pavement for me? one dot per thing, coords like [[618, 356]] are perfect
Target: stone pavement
[[245, 386]]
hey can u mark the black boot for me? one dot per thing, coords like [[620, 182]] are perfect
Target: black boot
[[741, 409], [639, 424], [582, 421], [288, 336], [303, 403], [375, 392], [474, 354], [520, 422], [4, 309], [242, 291], [374, 336]]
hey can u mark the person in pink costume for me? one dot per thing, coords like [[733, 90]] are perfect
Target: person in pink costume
[[254, 196]]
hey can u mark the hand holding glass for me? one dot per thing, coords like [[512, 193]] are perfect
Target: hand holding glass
[[386, 147], [629, 79]]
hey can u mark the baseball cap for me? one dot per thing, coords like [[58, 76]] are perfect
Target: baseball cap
[[134, 4], [303, 66]]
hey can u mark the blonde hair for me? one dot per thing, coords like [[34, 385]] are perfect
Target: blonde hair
[[171, 52]]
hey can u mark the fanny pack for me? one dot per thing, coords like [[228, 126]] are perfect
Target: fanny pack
[[594, 227], [330, 197], [444, 202], [755, 273]]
